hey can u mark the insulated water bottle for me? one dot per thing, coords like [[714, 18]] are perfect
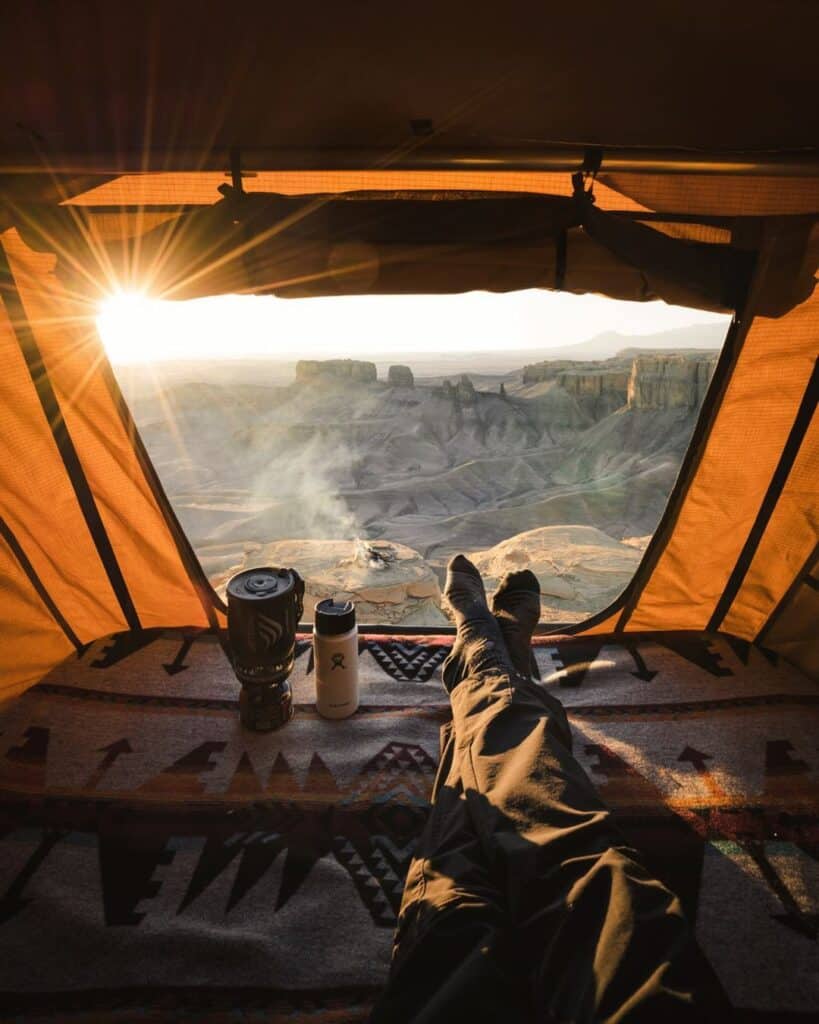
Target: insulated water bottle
[[335, 642]]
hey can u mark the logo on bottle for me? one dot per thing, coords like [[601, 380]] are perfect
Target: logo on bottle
[[337, 662]]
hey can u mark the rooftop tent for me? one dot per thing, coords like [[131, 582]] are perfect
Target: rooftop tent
[[634, 150], [297, 177]]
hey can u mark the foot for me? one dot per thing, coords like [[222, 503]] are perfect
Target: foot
[[479, 645], [464, 591], [516, 607]]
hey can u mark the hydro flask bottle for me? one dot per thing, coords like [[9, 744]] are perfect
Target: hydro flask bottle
[[335, 644]]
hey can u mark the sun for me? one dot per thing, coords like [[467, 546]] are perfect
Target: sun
[[127, 322], [121, 304]]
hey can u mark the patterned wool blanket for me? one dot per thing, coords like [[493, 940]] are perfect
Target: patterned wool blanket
[[158, 861]]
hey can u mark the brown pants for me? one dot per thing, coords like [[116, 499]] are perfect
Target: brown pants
[[522, 902]]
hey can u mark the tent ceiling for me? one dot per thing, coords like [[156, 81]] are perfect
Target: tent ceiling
[[98, 80]]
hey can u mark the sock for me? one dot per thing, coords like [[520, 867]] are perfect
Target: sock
[[479, 646], [516, 606]]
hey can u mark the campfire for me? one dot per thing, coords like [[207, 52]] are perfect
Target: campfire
[[373, 557]]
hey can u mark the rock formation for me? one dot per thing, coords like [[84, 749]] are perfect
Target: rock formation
[[535, 373], [436, 469], [593, 384], [400, 377], [599, 392], [649, 380], [669, 381], [550, 369], [465, 390], [598, 387], [579, 568], [312, 370], [396, 587]]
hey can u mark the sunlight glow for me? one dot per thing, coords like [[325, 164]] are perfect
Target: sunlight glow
[[123, 306], [136, 328]]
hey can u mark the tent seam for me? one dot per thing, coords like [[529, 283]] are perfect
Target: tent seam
[[63, 441], [796, 436], [207, 595], [802, 578], [22, 558]]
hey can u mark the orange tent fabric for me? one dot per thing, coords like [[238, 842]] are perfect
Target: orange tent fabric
[[744, 525], [92, 529], [83, 518]]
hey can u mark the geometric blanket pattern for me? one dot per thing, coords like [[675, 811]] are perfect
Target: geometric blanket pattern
[[156, 859]]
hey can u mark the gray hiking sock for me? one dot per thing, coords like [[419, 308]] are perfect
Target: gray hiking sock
[[516, 607], [479, 645]]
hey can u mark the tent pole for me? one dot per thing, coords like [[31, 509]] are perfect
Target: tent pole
[[802, 163]]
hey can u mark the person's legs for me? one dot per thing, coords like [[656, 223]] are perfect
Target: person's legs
[[445, 965], [449, 960], [559, 919]]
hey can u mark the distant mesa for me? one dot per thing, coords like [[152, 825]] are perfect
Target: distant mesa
[[634, 378], [598, 392], [400, 377], [330, 370], [550, 369], [669, 381]]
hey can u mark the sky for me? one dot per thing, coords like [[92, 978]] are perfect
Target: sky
[[136, 329]]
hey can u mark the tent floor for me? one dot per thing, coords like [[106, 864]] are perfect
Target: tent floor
[[158, 861]]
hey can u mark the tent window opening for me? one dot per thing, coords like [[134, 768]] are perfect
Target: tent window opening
[[366, 439]]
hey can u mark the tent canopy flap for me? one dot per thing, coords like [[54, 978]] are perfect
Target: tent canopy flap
[[357, 243]]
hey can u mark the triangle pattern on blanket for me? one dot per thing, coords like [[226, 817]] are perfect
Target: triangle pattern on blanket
[[407, 662]]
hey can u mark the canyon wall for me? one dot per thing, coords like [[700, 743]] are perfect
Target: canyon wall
[[549, 369], [599, 388], [598, 392], [669, 381], [649, 380]]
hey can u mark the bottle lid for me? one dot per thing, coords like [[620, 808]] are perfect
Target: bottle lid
[[332, 618], [260, 584]]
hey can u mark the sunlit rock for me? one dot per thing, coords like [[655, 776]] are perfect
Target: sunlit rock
[[669, 381], [404, 587], [579, 568]]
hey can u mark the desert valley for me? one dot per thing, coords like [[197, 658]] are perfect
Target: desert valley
[[367, 476]]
